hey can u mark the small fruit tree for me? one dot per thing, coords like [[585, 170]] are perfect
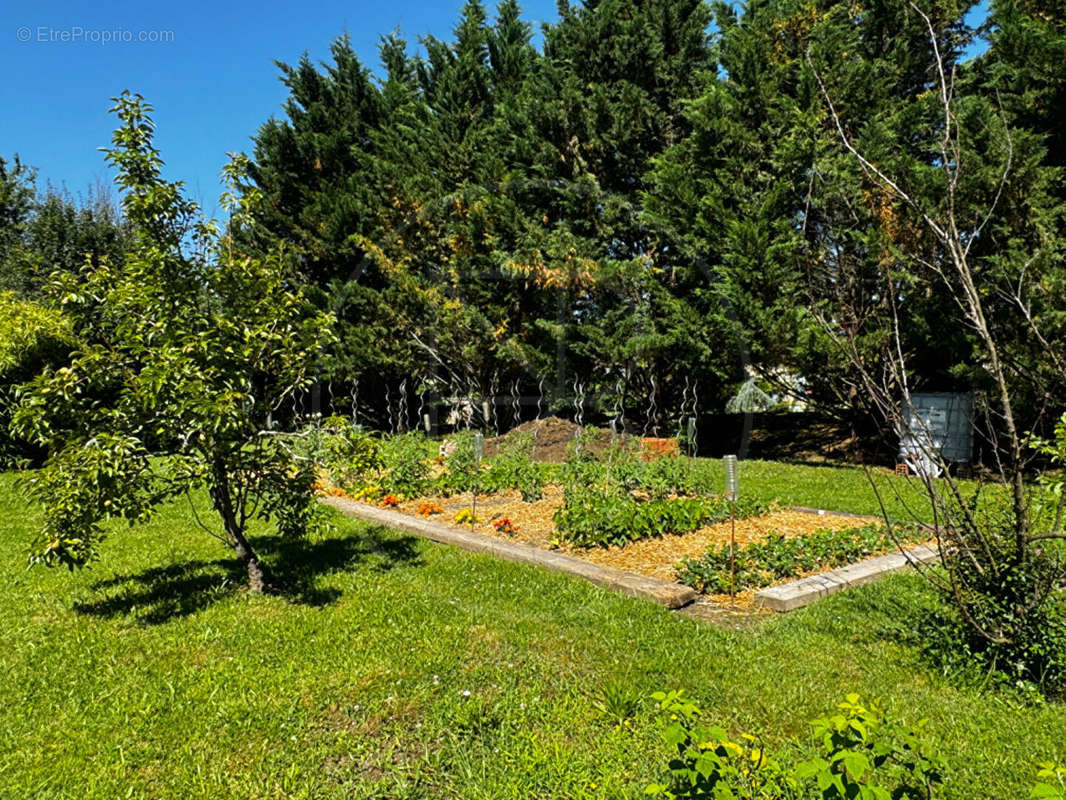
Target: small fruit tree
[[182, 353]]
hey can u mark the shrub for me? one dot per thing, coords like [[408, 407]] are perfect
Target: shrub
[[1004, 610], [1032, 660], [867, 754], [368, 467], [32, 338], [863, 754], [351, 456]]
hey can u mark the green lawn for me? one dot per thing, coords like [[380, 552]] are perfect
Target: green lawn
[[835, 488], [397, 668], [831, 487]]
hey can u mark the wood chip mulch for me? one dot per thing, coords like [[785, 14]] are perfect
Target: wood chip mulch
[[656, 558]]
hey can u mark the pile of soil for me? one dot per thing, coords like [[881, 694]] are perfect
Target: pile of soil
[[551, 438]]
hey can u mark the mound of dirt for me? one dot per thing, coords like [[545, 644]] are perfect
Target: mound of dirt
[[551, 438]]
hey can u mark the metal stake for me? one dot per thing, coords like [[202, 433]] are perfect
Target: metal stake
[[731, 489], [479, 448], [732, 552]]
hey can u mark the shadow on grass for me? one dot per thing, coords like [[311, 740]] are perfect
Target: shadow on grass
[[159, 594]]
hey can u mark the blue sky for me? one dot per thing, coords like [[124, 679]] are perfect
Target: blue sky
[[212, 85]]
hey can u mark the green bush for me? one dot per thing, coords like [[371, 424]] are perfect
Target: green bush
[[1004, 612], [406, 464], [1032, 659], [778, 557], [350, 455], [514, 468], [863, 754], [32, 339]]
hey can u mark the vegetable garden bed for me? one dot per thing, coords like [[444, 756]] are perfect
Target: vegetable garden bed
[[618, 504], [505, 516]]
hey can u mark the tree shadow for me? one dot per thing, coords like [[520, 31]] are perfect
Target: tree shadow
[[298, 567]]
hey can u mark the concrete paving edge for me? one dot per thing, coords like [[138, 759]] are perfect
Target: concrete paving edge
[[803, 592]]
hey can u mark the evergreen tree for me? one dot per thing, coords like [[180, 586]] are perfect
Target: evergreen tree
[[1022, 80], [312, 166], [512, 56], [641, 212], [789, 231], [42, 234], [62, 235], [17, 194], [606, 101]]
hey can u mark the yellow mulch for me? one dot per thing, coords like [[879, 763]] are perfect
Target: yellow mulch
[[655, 558], [534, 520]]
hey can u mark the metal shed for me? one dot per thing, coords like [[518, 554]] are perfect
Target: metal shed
[[946, 418]]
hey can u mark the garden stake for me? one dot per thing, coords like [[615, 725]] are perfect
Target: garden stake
[[732, 552], [479, 448], [731, 488]]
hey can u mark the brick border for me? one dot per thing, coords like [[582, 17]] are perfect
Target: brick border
[[665, 593]]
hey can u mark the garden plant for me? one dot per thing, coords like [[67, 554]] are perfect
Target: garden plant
[[193, 350]]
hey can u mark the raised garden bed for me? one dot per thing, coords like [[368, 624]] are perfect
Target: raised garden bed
[[616, 504], [504, 516]]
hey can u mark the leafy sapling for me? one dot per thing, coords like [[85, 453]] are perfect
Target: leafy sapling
[[182, 353]]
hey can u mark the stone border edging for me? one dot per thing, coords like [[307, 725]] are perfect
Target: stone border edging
[[803, 592], [665, 593]]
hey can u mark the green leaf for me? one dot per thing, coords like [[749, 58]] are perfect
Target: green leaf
[[1044, 791]]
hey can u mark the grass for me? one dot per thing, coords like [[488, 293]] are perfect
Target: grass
[[836, 488], [833, 488], [397, 668]]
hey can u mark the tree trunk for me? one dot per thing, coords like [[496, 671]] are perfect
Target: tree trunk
[[258, 574]]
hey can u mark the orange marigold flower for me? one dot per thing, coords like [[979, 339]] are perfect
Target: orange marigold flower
[[505, 526]]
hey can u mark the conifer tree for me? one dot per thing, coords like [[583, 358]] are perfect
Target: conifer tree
[[312, 166], [784, 225]]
